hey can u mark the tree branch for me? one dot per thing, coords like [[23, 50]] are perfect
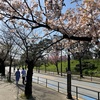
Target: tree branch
[[78, 38]]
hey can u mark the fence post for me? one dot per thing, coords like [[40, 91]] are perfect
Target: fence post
[[58, 86], [37, 80], [98, 95], [76, 93], [46, 83]]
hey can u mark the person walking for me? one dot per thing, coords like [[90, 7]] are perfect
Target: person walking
[[23, 75], [17, 75]]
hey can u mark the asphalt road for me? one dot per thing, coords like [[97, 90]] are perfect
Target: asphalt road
[[53, 82]]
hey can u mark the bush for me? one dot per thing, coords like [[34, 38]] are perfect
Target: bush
[[85, 65]]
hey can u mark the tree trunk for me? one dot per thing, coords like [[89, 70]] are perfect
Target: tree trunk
[[57, 67], [9, 77], [2, 67], [45, 67], [28, 87], [81, 72]]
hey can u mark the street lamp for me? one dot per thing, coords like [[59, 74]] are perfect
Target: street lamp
[[80, 65], [69, 96], [61, 59], [62, 47]]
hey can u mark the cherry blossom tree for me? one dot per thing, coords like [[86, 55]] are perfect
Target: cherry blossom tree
[[81, 23], [54, 58], [31, 45], [6, 50]]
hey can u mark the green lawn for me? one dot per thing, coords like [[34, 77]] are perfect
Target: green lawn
[[51, 67]]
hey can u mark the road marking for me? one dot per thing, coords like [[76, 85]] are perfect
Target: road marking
[[87, 98]]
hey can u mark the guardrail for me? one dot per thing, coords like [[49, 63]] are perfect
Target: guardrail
[[61, 87]]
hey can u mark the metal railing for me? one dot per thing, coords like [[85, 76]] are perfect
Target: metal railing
[[77, 91]]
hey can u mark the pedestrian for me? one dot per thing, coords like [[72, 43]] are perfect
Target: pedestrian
[[23, 75], [17, 75]]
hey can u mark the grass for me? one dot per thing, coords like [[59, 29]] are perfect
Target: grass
[[52, 67]]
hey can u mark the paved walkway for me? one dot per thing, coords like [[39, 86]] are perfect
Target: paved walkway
[[9, 91]]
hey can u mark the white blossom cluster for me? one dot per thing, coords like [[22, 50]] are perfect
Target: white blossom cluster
[[82, 21]]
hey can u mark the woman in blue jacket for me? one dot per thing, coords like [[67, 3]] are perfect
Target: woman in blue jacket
[[17, 74]]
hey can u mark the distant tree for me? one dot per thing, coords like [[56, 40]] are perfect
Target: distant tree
[[8, 50], [85, 66], [5, 48], [97, 53], [54, 59]]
